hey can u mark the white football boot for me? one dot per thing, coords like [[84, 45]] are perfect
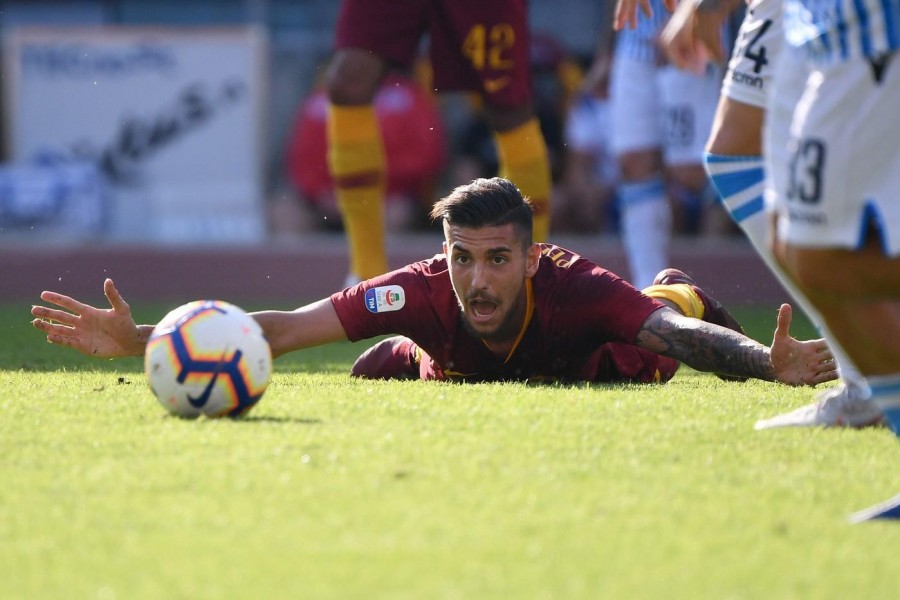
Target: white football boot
[[834, 407]]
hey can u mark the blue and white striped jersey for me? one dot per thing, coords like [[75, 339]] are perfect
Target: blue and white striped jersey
[[835, 30]]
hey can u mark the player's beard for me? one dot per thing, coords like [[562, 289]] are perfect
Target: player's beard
[[509, 326]]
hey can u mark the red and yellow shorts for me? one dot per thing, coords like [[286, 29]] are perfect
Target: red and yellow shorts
[[475, 45]]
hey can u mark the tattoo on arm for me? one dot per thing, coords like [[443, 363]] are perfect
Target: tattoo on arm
[[704, 346]]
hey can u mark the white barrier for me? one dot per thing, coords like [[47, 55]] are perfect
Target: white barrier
[[172, 118]]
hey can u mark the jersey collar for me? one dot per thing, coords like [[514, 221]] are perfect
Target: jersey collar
[[529, 312]]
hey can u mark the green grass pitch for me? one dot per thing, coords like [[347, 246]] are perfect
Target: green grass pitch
[[334, 488]]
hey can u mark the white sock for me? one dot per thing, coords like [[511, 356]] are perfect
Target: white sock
[[646, 228]]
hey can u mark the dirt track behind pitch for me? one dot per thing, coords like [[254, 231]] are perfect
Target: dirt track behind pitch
[[295, 272]]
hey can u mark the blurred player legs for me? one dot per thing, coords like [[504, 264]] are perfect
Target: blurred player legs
[[660, 117], [474, 46], [838, 222], [735, 165]]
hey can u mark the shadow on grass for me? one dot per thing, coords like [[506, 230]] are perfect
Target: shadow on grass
[[251, 418], [272, 419]]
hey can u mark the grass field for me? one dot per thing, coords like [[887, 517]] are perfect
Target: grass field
[[333, 488]]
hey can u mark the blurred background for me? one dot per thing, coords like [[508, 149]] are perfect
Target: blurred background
[[145, 135], [143, 117]]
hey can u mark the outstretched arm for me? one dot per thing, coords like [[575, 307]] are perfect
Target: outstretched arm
[[112, 332], [708, 347], [311, 325]]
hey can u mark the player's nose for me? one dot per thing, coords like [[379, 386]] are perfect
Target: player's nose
[[480, 276]]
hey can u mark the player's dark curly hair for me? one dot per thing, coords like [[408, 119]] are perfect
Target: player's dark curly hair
[[486, 203]]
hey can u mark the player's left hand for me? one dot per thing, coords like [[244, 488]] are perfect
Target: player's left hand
[[796, 362]]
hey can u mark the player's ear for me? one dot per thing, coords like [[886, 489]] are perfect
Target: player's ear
[[532, 259]]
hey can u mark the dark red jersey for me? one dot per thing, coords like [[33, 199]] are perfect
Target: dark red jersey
[[582, 327]]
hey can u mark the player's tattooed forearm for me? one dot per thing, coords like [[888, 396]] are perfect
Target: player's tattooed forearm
[[705, 347]]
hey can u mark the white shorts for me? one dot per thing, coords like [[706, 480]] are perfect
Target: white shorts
[[758, 44], [834, 161], [662, 107]]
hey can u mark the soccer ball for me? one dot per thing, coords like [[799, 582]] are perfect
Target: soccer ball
[[208, 357]]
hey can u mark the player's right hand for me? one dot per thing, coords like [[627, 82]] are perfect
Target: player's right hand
[[102, 333], [798, 362], [626, 12], [692, 37]]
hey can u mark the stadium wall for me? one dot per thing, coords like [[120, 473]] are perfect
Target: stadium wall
[[290, 274]]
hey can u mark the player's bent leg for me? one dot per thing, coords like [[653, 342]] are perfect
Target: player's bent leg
[[392, 358], [739, 180], [615, 362], [864, 325]]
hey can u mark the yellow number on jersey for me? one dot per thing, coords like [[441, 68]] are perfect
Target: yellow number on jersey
[[503, 36], [486, 48]]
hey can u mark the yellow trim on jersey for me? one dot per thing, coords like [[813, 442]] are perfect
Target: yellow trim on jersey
[[529, 312]]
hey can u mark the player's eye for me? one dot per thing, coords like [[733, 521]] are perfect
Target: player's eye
[[461, 259], [498, 259]]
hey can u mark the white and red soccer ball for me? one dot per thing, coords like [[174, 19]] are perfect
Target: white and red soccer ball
[[208, 357]]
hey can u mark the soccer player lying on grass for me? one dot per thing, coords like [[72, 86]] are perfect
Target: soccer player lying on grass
[[496, 306]]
